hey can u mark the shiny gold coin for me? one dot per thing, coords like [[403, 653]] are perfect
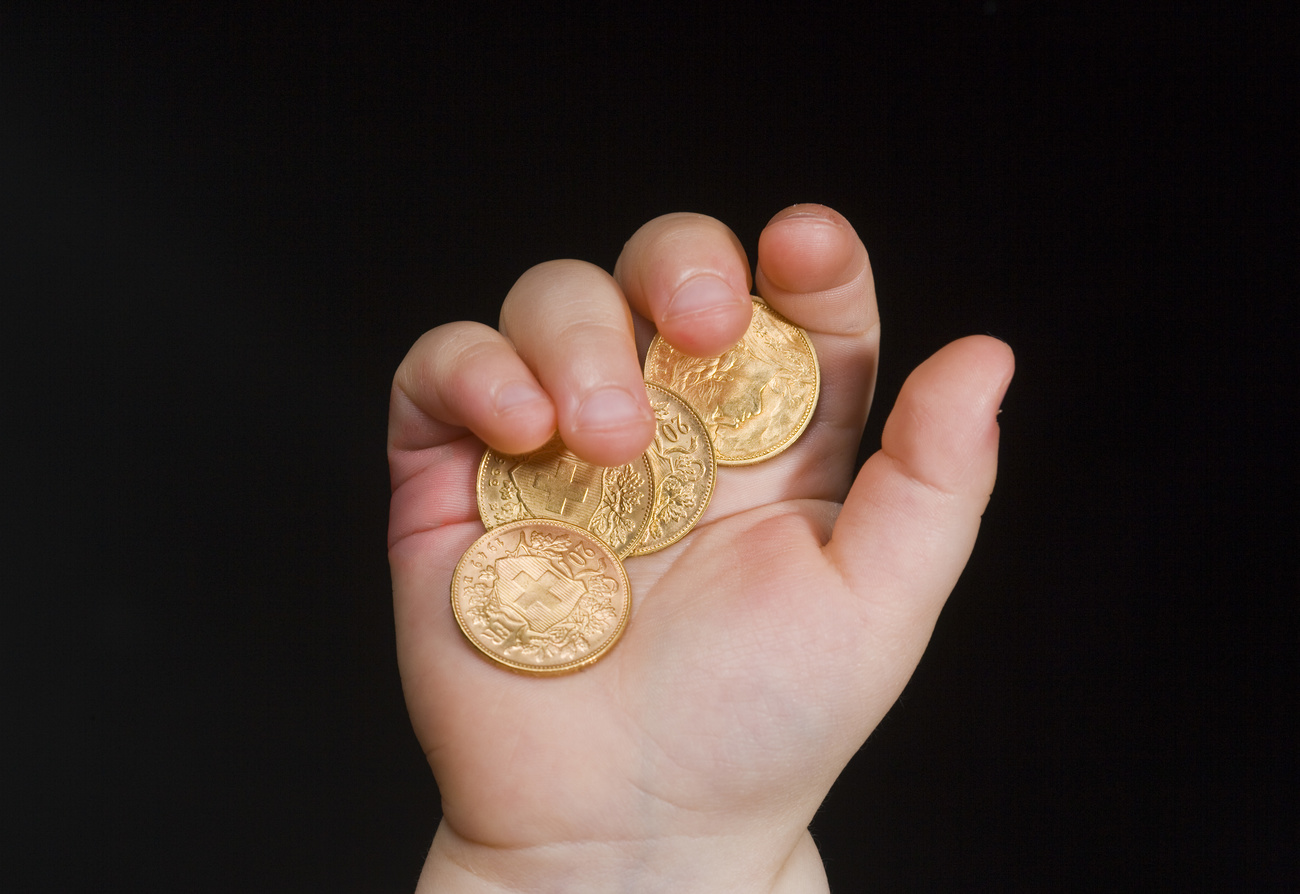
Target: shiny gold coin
[[541, 597], [682, 456], [757, 398], [614, 504]]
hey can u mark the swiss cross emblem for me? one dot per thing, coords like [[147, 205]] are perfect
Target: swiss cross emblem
[[554, 489], [530, 585]]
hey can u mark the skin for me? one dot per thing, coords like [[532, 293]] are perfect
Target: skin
[[762, 649]]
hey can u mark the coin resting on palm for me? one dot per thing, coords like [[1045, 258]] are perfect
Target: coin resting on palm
[[757, 398], [552, 482], [541, 596], [684, 467]]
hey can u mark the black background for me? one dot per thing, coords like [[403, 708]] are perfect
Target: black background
[[223, 228]]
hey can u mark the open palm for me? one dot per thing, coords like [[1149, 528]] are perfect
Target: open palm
[[762, 648]]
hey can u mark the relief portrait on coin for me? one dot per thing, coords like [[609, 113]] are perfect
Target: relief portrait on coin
[[759, 391]]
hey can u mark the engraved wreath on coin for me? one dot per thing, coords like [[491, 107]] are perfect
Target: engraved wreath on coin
[[622, 505], [541, 596], [756, 398], [682, 456]]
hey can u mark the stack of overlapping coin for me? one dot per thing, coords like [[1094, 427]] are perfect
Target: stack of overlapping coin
[[544, 591]]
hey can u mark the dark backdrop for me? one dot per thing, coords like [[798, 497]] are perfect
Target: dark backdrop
[[222, 230]]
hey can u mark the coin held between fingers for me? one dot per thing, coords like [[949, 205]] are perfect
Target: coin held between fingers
[[756, 398]]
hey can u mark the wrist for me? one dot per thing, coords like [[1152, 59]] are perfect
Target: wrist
[[680, 865]]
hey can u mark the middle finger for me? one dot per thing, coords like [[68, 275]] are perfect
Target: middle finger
[[570, 323]]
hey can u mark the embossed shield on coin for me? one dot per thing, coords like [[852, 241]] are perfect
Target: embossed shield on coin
[[684, 465], [757, 398], [541, 597], [612, 503]]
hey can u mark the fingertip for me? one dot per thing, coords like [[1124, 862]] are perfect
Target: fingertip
[[943, 429], [705, 316], [523, 418], [610, 427], [610, 411], [688, 273], [808, 211], [809, 248], [815, 271], [993, 362]]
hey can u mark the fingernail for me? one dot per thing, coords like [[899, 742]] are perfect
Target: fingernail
[[806, 212], [699, 295], [610, 408], [517, 395]]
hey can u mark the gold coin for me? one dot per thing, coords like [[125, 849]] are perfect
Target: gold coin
[[682, 456], [541, 596], [552, 482], [755, 399]]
